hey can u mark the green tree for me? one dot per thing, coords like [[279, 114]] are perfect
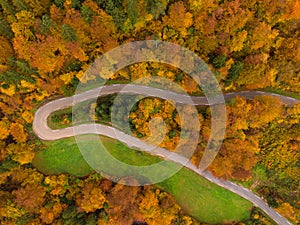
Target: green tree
[[68, 33], [234, 71], [156, 7], [46, 24], [5, 29], [87, 13], [20, 5], [115, 9], [132, 10], [59, 3], [218, 61], [7, 8]]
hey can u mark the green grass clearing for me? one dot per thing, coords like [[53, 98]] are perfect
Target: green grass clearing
[[197, 196], [204, 200], [63, 156]]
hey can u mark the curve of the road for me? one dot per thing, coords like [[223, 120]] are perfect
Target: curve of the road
[[41, 129]]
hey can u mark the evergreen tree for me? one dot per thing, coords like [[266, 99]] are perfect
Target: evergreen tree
[[68, 33], [46, 24]]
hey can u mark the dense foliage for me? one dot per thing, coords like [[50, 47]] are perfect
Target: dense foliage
[[45, 47]]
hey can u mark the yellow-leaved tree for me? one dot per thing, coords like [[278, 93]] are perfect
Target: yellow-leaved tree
[[18, 132], [4, 128], [179, 18], [91, 198]]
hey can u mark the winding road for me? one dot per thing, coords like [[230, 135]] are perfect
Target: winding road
[[42, 130]]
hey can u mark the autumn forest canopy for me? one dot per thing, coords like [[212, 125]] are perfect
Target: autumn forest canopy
[[47, 45]]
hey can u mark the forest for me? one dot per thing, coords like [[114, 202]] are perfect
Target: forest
[[47, 45]]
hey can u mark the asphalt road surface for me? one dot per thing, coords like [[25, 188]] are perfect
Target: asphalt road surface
[[42, 130]]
